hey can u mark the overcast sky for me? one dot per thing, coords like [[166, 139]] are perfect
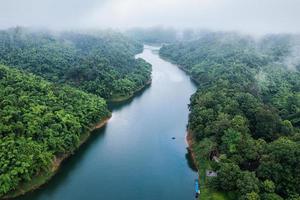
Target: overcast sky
[[252, 16]]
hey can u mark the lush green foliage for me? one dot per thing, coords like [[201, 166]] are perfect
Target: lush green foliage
[[101, 63], [246, 110], [39, 120]]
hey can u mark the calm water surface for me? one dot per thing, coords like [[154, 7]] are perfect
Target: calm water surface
[[134, 157]]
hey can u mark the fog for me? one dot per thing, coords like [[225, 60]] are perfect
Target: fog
[[292, 61], [250, 16]]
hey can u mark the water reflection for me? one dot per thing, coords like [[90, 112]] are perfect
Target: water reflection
[[115, 106], [134, 156]]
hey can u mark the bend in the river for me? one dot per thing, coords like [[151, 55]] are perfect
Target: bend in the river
[[134, 157]]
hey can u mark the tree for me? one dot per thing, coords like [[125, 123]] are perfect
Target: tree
[[250, 196], [35, 129], [228, 175], [267, 124], [247, 183], [231, 139], [205, 147], [268, 186], [271, 196], [248, 104], [287, 128], [280, 164]]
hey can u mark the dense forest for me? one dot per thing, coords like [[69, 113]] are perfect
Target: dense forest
[[98, 62], [54, 87], [245, 116], [40, 120]]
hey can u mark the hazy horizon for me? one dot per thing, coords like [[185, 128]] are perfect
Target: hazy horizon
[[248, 16]]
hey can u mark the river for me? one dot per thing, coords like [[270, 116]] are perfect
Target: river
[[134, 156]]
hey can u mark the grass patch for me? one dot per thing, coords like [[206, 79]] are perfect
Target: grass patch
[[209, 194]]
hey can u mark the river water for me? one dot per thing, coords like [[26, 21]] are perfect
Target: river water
[[134, 156]]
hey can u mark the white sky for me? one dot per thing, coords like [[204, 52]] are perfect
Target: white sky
[[252, 16]]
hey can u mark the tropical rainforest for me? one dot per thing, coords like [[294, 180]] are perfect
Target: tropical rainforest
[[40, 120], [244, 119], [98, 62], [53, 90], [245, 116]]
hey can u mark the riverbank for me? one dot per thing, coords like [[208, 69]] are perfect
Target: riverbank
[[117, 99], [182, 68], [132, 144], [41, 179], [202, 164]]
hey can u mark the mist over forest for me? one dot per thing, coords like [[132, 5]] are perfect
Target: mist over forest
[[68, 67]]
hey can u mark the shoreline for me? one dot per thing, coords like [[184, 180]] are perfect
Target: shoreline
[[124, 98], [189, 140], [188, 137], [39, 180], [42, 179], [182, 68]]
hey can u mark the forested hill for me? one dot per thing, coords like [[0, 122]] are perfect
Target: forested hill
[[246, 112], [40, 120], [51, 89], [99, 62]]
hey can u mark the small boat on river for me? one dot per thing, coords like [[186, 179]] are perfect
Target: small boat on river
[[197, 188]]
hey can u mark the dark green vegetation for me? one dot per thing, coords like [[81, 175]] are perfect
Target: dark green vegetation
[[101, 63], [52, 95], [135, 152], [38, 121], [246, 112]]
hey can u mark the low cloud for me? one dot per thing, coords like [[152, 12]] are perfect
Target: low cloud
[[251, 16]]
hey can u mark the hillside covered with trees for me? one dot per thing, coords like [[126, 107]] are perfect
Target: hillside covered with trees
[[99, 62], [245, 116], [39, 121], [54, 87]]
